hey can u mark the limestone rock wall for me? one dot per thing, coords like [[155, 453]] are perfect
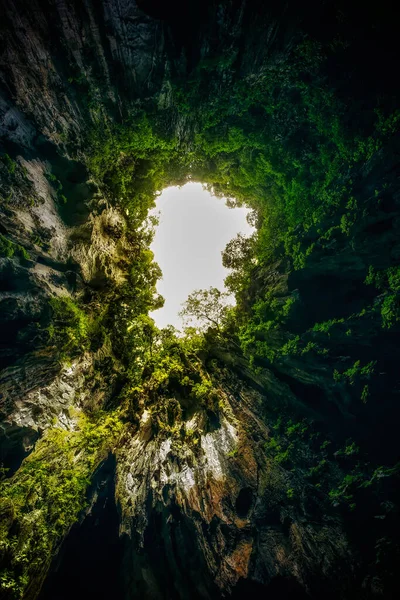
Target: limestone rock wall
[[204, 513]]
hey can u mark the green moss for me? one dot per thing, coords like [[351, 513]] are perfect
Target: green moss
[[10, 164], [75, 329], [9, 248], [70, 326], [45, 496]]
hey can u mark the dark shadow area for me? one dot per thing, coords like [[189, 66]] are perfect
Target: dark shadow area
[[73, 177], [15, 445], [280, 588], [87, 566], [171, 566], [244, 502]]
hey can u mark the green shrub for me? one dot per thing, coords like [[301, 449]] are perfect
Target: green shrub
[[70, 327], [390, 311]]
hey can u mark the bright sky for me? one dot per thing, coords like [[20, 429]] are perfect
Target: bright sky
[[194, 228]]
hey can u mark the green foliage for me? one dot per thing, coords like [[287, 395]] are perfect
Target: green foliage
[[141, 283], [290, 493], [390, 311], [56, 183], [45, 496], [388, 281], [365, 394], [296, 346], [361, 483], [349, 450], [9, 163], [356, 372], [238, 252], [344, 493], [327, 325], [69, 329], [74, 329], [9, 248], [134, 161], [269, 314], [386, 278], [264, 166], [165, 368], [206, 308], [287, 445]]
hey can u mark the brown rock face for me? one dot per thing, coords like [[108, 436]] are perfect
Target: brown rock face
[[207, 511]]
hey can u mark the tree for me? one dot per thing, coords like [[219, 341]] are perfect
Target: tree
[[238, 252], [205, 308]]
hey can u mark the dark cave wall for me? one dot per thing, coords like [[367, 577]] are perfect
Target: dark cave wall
[[60, 56], [88, 562], [66, 65]]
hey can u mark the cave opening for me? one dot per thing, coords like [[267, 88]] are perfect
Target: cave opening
[[256, 452], [194, 229]]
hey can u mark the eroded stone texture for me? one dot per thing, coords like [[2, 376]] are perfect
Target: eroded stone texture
[[216, 488]]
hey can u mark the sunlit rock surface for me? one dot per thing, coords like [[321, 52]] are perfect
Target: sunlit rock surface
[[207, 510]]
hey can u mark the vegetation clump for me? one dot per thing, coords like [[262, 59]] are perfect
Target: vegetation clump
[[9, 163], [9, 249], [74, 328], [172, 371], [56, 183], [46, 495]]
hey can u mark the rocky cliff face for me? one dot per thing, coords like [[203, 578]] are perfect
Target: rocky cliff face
[[195, 501], [211, 511], [66, 68]]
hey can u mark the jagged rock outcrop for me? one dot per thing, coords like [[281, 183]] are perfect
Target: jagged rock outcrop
[[206, 510], [58, 259]]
